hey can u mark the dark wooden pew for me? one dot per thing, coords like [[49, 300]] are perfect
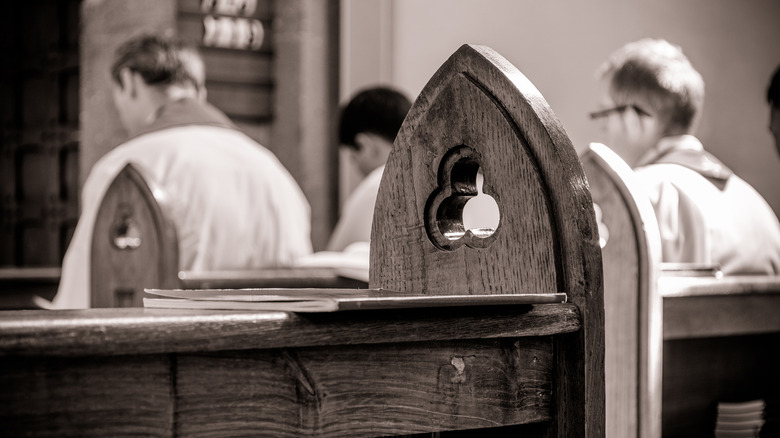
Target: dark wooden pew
[[715, 329], [535, 368], [19, 286]]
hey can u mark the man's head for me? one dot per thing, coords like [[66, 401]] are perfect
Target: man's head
[[649, 90], [773, 97], [369, 124], [150, 70]]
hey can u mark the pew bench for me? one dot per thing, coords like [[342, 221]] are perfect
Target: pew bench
[[679, 338], [720, 345], [532, 370], [155, 372]]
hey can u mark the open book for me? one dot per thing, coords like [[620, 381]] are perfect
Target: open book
[[351, 263], [326, 300]]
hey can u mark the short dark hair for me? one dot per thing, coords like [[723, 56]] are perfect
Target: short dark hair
[[160, 60], [377, 110], [773, 92], [655, 75]]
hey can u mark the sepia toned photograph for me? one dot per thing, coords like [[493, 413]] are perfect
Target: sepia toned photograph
[[373, 218]]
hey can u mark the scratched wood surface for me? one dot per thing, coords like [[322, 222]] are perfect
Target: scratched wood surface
[[479, 113], [367, 390], [134, 244], [631, 255]]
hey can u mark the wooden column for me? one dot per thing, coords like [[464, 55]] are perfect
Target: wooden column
[[306, 104]]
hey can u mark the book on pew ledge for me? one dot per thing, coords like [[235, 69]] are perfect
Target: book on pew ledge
[[352, 262], [690, 270], [326, 300]]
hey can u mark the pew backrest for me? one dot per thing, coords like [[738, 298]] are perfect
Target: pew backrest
[[135, 247], [134, 243], [631, 252], [479, 113]]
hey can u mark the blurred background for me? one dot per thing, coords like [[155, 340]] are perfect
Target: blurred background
[[280, 69]]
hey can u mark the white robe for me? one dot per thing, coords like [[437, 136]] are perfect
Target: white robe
[[234, 205], [706, 214]]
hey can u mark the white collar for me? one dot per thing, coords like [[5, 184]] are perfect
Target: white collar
[[667, 144]]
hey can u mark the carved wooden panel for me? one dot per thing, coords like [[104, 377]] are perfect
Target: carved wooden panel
[[479, 113], [134, 244]]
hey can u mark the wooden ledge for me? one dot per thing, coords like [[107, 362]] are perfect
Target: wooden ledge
[[671, 286], [150, 331], [698, 307]]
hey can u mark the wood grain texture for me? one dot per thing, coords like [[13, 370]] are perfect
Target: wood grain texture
[[366, 390], [149, 331], [86, 396], [134, 205], [479, 105], [633, 320]]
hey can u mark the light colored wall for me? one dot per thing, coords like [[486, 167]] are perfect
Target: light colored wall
[[558, 45]]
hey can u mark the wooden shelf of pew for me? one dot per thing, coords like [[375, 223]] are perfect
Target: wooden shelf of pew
[[697, 307], [18, 285], [133, 371], [533, 370]]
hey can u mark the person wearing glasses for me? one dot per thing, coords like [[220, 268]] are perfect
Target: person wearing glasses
[[651, 98]]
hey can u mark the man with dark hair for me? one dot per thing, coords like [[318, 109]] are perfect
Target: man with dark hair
[[368, 126], [773, 97], [651, 99], [233, 203]]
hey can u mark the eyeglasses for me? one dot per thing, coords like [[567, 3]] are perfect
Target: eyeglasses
[[618, 109]]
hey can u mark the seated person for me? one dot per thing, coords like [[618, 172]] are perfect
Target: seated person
[[651, 99], [368, 126], [233, 203], [773, 98]]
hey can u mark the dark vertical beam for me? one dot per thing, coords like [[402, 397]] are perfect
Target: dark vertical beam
[[306, 103]]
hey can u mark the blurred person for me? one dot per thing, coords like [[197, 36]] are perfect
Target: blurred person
[[233, 203], [651, 101], [368, 125]]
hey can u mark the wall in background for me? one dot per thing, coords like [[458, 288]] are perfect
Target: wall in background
[[559, 46]]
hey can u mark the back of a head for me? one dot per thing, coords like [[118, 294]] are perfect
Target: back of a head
[[656, 76], [161, 61], [773, 92], [377, 110]]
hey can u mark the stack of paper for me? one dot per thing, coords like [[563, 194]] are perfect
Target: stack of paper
[[740, 420], [327, 300]]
